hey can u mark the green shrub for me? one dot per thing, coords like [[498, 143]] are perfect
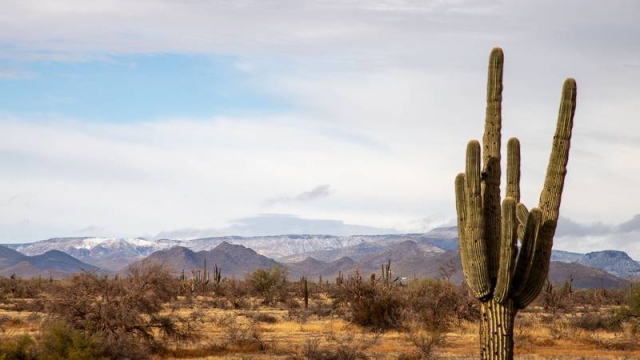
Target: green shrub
[[269, 284], [62, 342], [21, 348]]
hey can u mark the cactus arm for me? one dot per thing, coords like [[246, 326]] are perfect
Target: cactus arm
[[526, 258], [478, 269], [461, 209], [522, 214], [508, 250], [557, 168], [539, 268], [508, 246], [491, 142], [513, 169], [551, 195]]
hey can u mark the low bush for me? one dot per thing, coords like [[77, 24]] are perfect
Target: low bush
[[124, 313], [597, 321], [21, 348], [61, 342]]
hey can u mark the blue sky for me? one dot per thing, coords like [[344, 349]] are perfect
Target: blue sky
[[130, 88], [121, 118]]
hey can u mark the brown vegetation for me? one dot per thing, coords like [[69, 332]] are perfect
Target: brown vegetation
[[151, 314]]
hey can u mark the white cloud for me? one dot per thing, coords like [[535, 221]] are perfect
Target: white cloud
[[149, 177], [387, 93]]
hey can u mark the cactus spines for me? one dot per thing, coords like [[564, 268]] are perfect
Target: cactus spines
[[497, 275]]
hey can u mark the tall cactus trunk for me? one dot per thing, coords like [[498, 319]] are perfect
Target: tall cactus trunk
[[496, 330], [503, 277]]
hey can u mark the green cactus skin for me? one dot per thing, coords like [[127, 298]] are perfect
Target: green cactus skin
[[503, 280]]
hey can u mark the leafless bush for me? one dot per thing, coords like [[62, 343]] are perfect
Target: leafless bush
[[426, 342], [238, 334], [124, 312], [597, 321], [236, 292], [344, 346], [437, 304], [369, 305]]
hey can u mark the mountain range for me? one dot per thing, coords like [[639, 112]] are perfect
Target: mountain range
[[53, 264], [432, 254]]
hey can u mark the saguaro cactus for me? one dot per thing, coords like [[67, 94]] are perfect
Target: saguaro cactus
[[503, 280]]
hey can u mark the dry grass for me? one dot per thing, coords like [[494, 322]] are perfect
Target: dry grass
[[279, 333], [536, 338]]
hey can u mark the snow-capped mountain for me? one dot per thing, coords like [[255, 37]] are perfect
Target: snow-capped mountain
[[115, 253], [105, 253]]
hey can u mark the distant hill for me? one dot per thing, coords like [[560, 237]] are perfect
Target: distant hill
[[53, 263], [584, 276], [115, 253], [233, 260], [313, 268], [565, 256], [431, 254], [106, 253], [614, 262]]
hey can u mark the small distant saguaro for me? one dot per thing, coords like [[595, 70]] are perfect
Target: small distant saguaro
[[503, 280]]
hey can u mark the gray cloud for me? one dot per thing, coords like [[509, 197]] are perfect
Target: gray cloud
[[568, 227], [573, 236], [278, 224], [94, 230], [318, 192], [630, 226]]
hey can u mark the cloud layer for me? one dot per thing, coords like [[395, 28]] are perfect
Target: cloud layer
[[572, 236], [375, 103]]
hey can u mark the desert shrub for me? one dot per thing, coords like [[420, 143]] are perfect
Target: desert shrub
[[597, 321], [21, 348], [4, 320], [630, 312], [15, 287], [437, 304], [241, 335], [270, 284], [236, 292], [312, 350], [264, 318], [370, 305], [60, 342], [124, 313], [349, 346], [381, 310], [553, 298], [426, 342]]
